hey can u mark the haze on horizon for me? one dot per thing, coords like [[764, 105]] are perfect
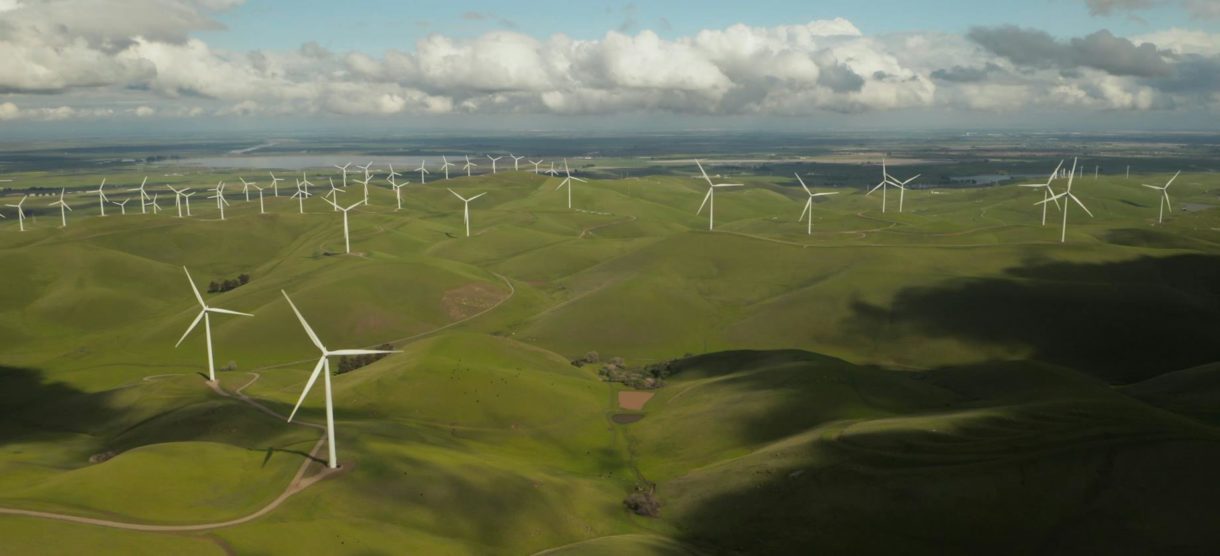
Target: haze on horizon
[[124, 66]]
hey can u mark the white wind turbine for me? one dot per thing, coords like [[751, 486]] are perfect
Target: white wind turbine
[[347, 241], [536, 164], [63, 209], [1164, 196], [466, 211], [122, 206], [304, 182], [333, 193], [493, 162], [393, 174], [204, 315], [446, 165], [178, 195], [323, 368], [516, 162], [20, 213], [1068, 194], [423, 171], [469, 166], [300, 196], [367, 178], [397, 187], [275, 184], [709, 200], [809, 203], [187, 198], [245, 187], [143, 194], [261, 208], [553, 171], [156, 208], [1047, 191], [221, 203], [902, 189], [568, 181], [101, 196], [344, 170]]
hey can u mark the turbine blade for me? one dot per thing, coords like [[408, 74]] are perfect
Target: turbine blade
[[228, 312], [191, 327], [194, 289], [312, 336], [362, 352], [805, 187], [808, 208], [1175, 176], [317, 370], [1086, 209], [1167, 203], [477, 196], [705, 198]]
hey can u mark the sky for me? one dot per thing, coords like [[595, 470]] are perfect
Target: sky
[[68, 65]]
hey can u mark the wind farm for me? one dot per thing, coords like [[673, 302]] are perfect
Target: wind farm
[[538, 283]]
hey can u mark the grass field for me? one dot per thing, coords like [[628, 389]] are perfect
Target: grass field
[[950, 379]]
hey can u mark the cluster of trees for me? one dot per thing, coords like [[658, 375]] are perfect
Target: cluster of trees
[[643, 501], [348, 363], [230, 284], [616, 370]]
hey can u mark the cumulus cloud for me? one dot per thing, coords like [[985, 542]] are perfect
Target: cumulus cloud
[[1199, 8], [151, 60]]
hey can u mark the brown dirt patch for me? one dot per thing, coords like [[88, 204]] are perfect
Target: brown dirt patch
[[633, 400], [470, 299]]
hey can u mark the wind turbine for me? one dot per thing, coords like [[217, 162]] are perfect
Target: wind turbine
[[156, 208], [493, 162], [101, 196], [275, 184], [469, 166], [709, 200], [122, 206], [536, 165], [347, 242], [445, 165], [63, 209], [1068, 194], [178, 193], [902, 189], [397, 187], [204, 314], [305, 182], [393, 174], [344, 170], [20, 213], [367, 178], [1047, 192], [516, 162], [568, 181], [300, 196], [334, 192], [423, 171], [809, 203], [886, 182], [1164, 196], [245, 187], [466, 212], [553, 171], [323, 368], [187, 197], [221, 203], [261, 209], [143, 195]]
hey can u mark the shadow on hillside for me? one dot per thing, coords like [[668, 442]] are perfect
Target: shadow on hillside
[[1035, 460], [30, 407], [1121, 321]]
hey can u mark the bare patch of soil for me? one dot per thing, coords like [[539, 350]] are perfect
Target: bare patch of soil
[[633, 400], [471, 299]]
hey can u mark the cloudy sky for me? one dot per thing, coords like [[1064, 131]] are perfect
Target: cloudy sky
[[918, 63]]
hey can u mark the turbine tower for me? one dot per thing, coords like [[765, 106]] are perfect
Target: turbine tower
[[275, 184], [221, 203], [809, 203], [143, 195], [122, 206], [709, 200], [179, 194], [397, 187], [261, 208], [344, 170], [1047, 191], [63, 209], [423, 171], [1164, 196], [536, 164], [347, 241], [300, 196], [469, 166], [245, 187], [516, 162], [204, 314], [493, 162], [466, 211], [323, 368], [367, 178]]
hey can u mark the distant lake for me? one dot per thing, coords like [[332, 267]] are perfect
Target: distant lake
[[306, 161]]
